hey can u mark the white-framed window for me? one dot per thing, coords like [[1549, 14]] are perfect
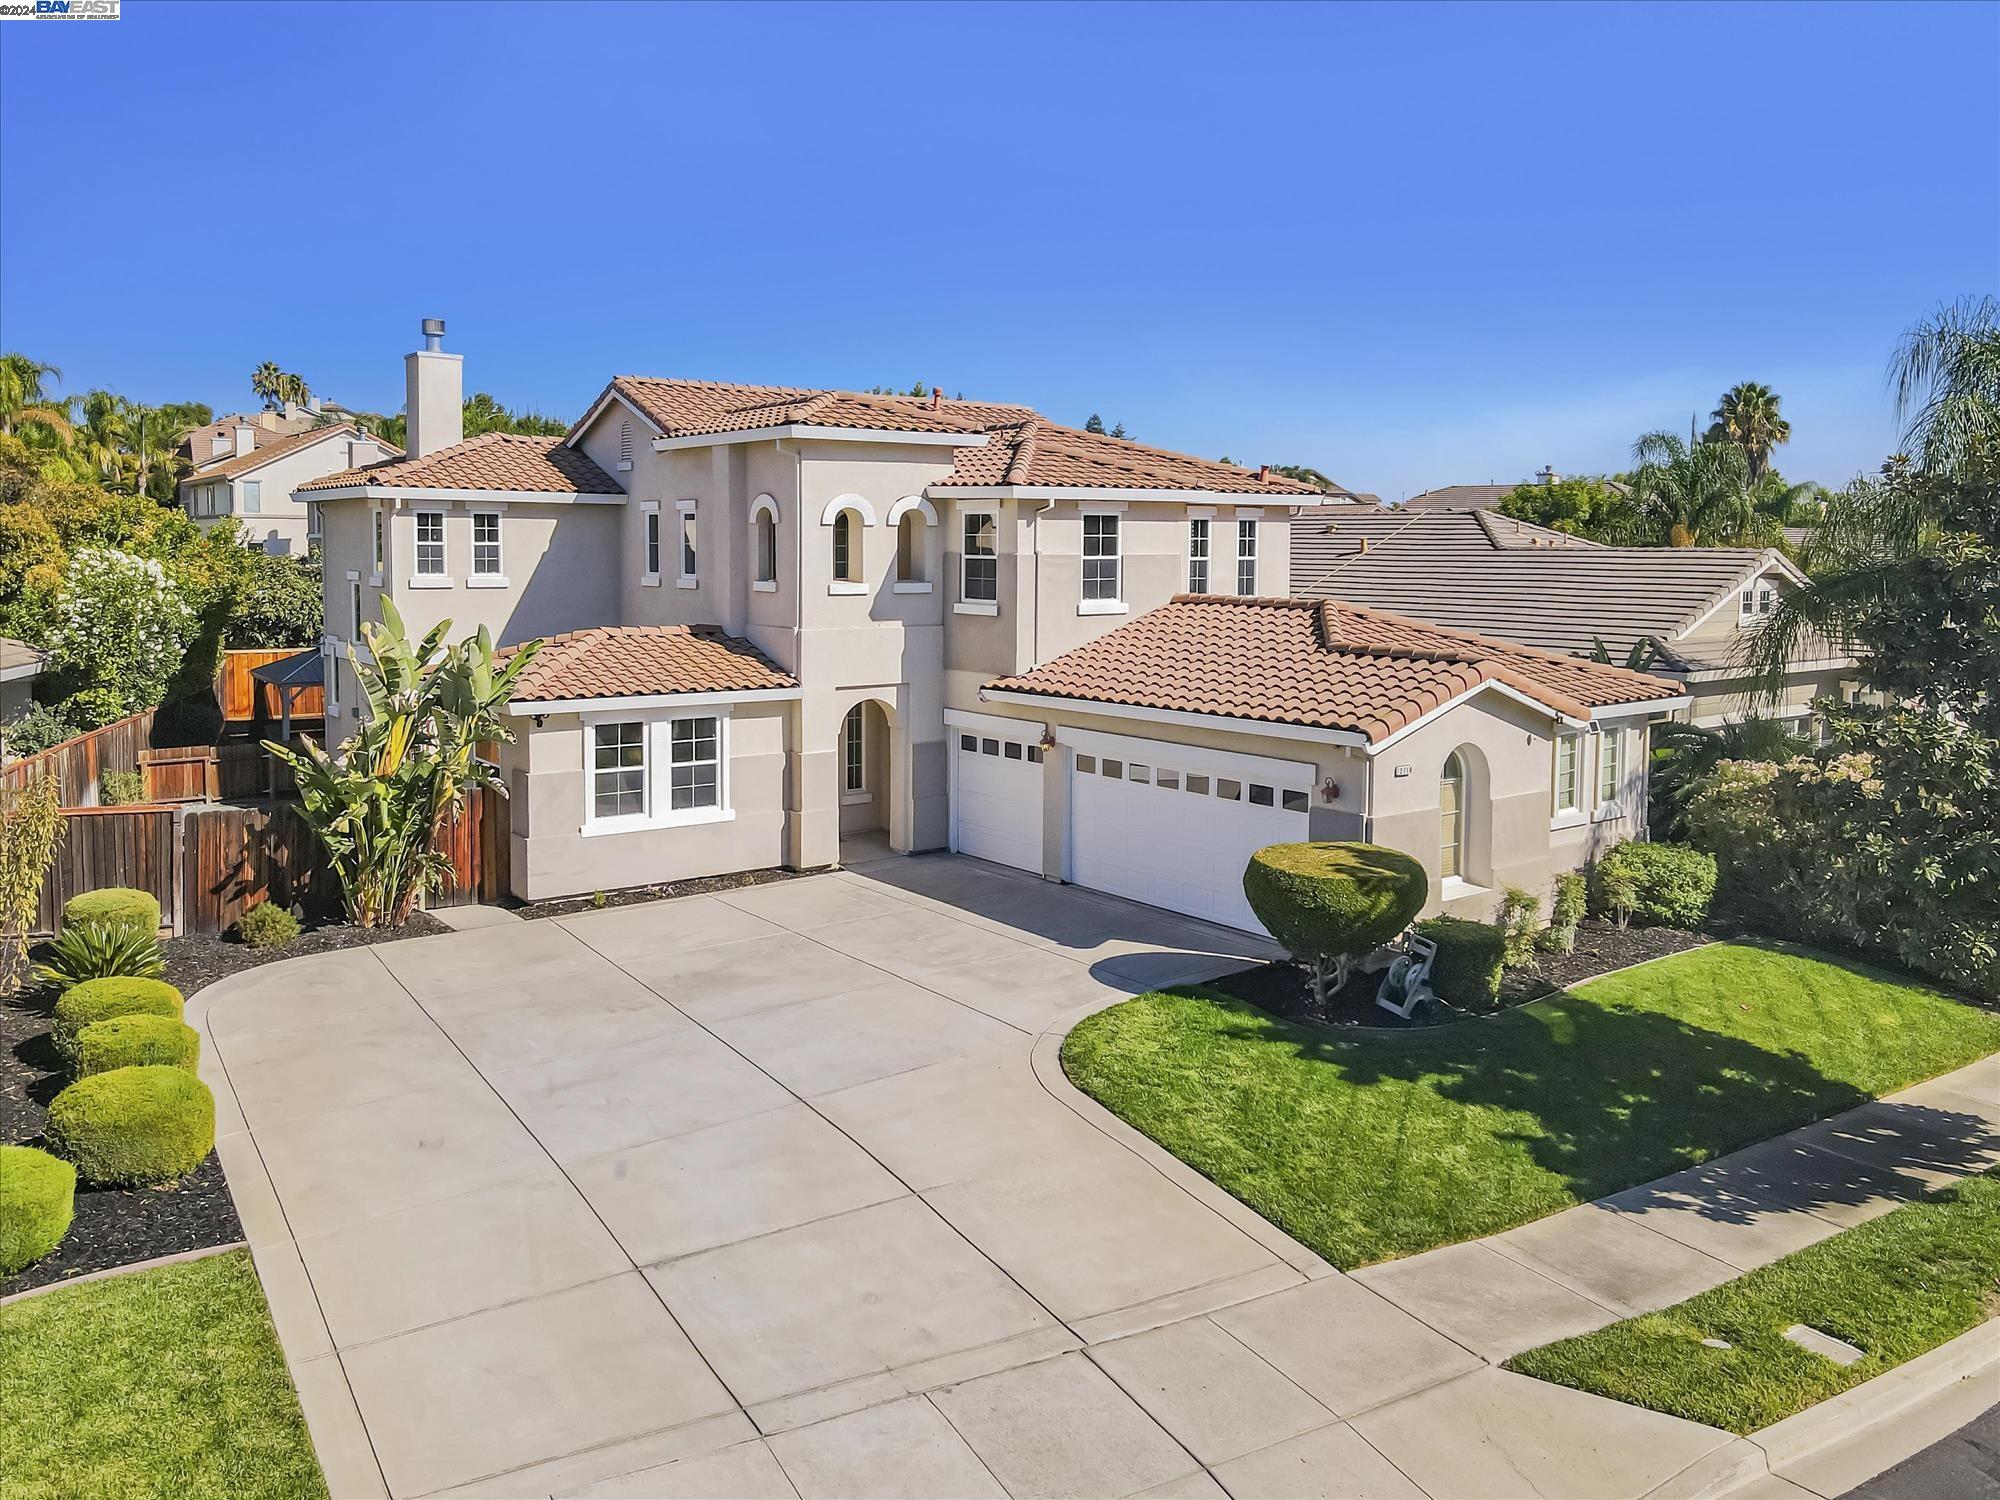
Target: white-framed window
[[379, 541], [690, 558], [650, 543], [979, 564], [1569, 760], [1246, 557], [1767, 599], [329, 669], [253, 497], [695, 782], [618, 786], [1451, 819], [312, 521], [430, 544], [1198, 557], [1610, 766], [1100, 556], [486, 544], [846, 549], [854, 752], [767, 547]]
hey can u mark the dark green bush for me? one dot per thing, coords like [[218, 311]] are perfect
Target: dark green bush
[[37, 1201], [115, 905], [102, 999], [1661, 885], [134, 1125], [121, 788], [142, 1041], [1330, 903], [96, 950], [1470, 956], [267, 925]]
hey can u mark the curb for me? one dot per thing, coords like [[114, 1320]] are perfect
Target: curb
[[138, 1265]]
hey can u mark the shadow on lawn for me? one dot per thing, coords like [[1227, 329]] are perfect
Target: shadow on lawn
[[1621, 1097]]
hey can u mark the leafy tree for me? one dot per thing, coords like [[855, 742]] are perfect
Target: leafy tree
[[278, 603], [1946, 376], [1304, 475], [1684, 755], [1095, 424], [1747, 416], [1118, 431], [1690, 494], [31, 831], [381, 807], [1579, 506], [119, 627], [23, 399]]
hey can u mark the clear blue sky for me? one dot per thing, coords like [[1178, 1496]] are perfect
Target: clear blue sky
[[1408, 245]]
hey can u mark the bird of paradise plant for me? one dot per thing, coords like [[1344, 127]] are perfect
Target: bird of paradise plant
[[382, 804]]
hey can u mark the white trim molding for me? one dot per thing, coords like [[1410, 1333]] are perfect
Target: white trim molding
[[413, 492], [1046, 702], [657, 727], [992, 724], [1104, 492], [529, 708], [855, 503], [765, 505], [909, 503], [822, 434]]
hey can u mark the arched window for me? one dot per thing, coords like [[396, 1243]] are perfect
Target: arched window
[[767, 547], [846, 564], [1451, 819], [853, 753], [910, 547]]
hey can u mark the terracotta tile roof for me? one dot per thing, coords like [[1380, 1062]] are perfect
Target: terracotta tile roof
[[629, 661], [270, 446], [1021, 448], [491, 461], [1320, 663]]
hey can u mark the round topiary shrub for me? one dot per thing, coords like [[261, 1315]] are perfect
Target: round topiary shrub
[[1470, 956], [102, 999], [114, 906], [134, 1125], [136, 1042], [1331, 903], [37, 1201], [267, 925]]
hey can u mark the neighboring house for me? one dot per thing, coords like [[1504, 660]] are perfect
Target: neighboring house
[[776, 618], [1693, 608], [255, 480], [1483, 496], [217, 439], [20, 665]]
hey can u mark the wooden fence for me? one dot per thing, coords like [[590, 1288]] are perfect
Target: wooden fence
[[209, 865], [81, 762], [186, 773], [244, 699]]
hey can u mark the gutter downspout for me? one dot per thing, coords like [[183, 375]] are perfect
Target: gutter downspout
[[1367, 797], [796, 709], [1035, 618]]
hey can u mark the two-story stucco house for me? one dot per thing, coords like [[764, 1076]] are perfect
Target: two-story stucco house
[[777, 619], [255, 478]]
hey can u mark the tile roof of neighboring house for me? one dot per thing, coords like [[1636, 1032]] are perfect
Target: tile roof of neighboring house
[[631, 661], [269, 448], [491, 461], [1323, 663], [1021, 448], [1481, 571], [1461, 497]]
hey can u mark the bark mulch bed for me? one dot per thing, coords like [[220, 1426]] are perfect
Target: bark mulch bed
[[1285, 989], [120, 1226], [633, 895]]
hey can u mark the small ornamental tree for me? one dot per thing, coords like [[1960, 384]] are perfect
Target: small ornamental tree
[[120, 625], [1332, 903], [31, 830]]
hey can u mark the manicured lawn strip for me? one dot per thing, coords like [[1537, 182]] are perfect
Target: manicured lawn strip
[[1895, 1287], [163, 1383], [1371, 1145]]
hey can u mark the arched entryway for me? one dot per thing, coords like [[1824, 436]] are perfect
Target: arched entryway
[[864, 763]]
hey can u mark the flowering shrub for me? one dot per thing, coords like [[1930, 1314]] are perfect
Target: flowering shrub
[[120, 626]]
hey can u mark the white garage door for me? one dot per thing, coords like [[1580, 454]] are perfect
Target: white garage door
[[1174, 826], [996, 806]]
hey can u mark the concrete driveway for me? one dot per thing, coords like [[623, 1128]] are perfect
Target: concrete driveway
[[780, 1191]]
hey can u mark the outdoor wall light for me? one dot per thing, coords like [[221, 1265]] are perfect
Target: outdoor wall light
[[1048, 740], [1329, 790]]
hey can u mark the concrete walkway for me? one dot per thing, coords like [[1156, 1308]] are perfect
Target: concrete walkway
[[781, 1192]]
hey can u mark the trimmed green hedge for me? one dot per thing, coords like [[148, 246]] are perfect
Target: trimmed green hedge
[[141, 1041], [1325, 900], [1656, 885], [267, 925], [102, 999], [134, 1125], [1470, 956], [37, 1201], [115, 905]]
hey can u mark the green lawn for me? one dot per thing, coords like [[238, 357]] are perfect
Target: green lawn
[[162, 1383], [1372, 1145], [1893, 1288]]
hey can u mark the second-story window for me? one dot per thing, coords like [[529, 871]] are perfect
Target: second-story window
[[1197, 557], [689, 558], [354, 603], [846, 559], [378, 541], [767, 547], [486, 543], [910, 547], [1100, 557], [1246, 557], [652, 547], [430, 544], [979, 580]]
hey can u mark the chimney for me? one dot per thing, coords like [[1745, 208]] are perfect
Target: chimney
[[357, 453], [937, 395], [1548, 474], [1263, 473], [246, 438], [434, 384]]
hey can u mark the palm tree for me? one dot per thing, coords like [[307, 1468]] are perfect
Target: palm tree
[[265, 382], [1691, 493], [23, 400], [1946, 376], [1747, 415], [105, 436]]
